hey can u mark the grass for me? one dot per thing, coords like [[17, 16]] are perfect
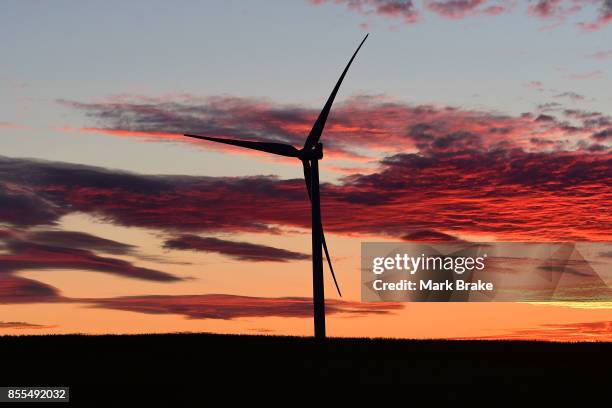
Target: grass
[[173, 365]]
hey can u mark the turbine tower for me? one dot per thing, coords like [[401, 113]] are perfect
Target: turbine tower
[[309, 155]]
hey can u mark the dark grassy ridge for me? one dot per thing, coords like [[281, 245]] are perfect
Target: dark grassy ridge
[[174, 365]]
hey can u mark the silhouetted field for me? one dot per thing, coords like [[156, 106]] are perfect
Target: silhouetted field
[[184, 367]]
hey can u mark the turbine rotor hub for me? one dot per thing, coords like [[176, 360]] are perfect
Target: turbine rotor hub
[[315, 153]]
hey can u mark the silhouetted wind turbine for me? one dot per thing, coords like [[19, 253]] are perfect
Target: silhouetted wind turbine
[[310, 155]]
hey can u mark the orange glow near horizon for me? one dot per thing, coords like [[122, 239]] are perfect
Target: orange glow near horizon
[[211, 273]]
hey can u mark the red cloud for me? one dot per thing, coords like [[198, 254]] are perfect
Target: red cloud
[[544, 8], [571, 95], [363, 123], [400, 9], [450, 187], [455, 9], [605, 17], [551, 9], [458, 9], [458, 171]]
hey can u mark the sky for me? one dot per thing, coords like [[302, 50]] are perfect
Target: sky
[[464, 119]]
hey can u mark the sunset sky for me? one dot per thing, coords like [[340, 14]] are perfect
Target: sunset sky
[[465, 119]]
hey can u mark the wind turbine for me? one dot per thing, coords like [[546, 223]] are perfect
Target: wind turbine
[[309, 155]]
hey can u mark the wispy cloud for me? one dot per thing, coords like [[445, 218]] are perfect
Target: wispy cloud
[[21, 325], [226, 307], [22, 254], [458, 9], [557, 11], [604, 16], [362, 123], [77, 239], [403, 10], [242, 251], [601, 55], [535, 85], [202, 306], [570, 95], [585, 75]]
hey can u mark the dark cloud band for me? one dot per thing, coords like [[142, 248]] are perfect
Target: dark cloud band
[[242, 251]]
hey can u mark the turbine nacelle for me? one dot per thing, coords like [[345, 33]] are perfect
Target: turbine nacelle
[[314, 153]]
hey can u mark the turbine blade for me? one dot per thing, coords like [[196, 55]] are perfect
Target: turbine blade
[[331, 268], [306, 166], [280, 149], [317, 129]]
